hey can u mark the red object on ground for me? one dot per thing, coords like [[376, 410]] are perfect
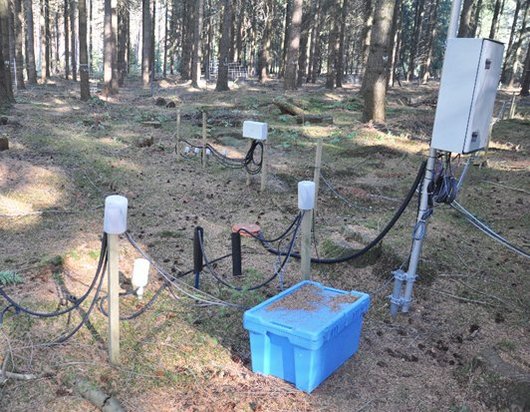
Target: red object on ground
[[245, 229]]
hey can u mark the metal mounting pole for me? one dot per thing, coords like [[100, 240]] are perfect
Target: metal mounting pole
[[398, 298]]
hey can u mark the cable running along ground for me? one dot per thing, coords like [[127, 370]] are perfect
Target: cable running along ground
[[252, 162], [379, 237]]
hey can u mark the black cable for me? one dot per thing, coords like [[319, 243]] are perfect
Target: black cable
[[378, 238], [64, 338], [77, 302], [264, 283], [138, 312], [280, 237]]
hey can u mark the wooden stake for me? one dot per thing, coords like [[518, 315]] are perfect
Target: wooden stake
[[266, 148], [204, 139], [248, 175], [177, 136], [307, 223], [512, 107], [114, 305], [316, 177]]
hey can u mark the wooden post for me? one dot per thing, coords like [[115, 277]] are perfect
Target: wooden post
[[316, 176], [204, 132], [114, 304], [248, 175], [177, 136], [512, 107], [307, 223], [266, 148]]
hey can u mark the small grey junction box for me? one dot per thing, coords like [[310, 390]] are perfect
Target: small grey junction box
[[470, 77]]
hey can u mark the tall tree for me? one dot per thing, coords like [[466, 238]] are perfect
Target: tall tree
[[30, 43], [146, 42], [302, 56], [73, 39], [374, 85], [224, 48], [123, 36], [466, 17], [294, 45], [45, 39], [418, 20], [425, 72], [19, 43], [265, 43], [333, 45], [109, 52], [197, 51], [495, 18], [525, 81], [515, 41], [66, 41], [6, 88], [83, 55], [342, 38]]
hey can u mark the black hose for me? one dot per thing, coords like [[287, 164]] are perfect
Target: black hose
[[77, 302], [378, 238]]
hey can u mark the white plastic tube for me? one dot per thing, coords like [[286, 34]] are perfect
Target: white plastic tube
[[115, 221], [306, 195], [140, 276]]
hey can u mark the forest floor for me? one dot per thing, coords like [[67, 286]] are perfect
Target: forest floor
[[464, 346]]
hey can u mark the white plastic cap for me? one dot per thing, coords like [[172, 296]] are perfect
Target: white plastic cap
[[255, 130], [196, 150], [208, 152], [306, 195], [187, 149], [115, 221], [140, 275]]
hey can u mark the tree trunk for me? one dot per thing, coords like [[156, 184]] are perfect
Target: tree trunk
[[115, 69], [6, 88], [420, 7], [30, 43], [475, 19], [224, 48], [66, 41], [333, 46], [166, 40], [294, 45], [342, 36], [83, 55], [302, 57], [90, 40], [396, 42], [286, 28], [495, 19], [146, 42], [57, 62], [123, 35], [19, 43], [466, 17], [315, 10], [516, 37], [265, 44], [45, 40], [368, 18], [109, 50], [239, 32], [375, 79], [425, 72], [197, 51], [73, 39], [525, 81]]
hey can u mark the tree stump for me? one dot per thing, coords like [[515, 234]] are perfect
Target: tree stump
[[4, 144]]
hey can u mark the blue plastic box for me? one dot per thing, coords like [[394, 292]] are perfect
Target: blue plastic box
[[305, 345]]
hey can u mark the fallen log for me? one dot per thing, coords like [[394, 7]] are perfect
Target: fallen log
[[288, 108], [98, 398], [314, 118]]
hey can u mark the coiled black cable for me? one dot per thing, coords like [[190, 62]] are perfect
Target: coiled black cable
[[77, 302], [252, 165], [377, 239]]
